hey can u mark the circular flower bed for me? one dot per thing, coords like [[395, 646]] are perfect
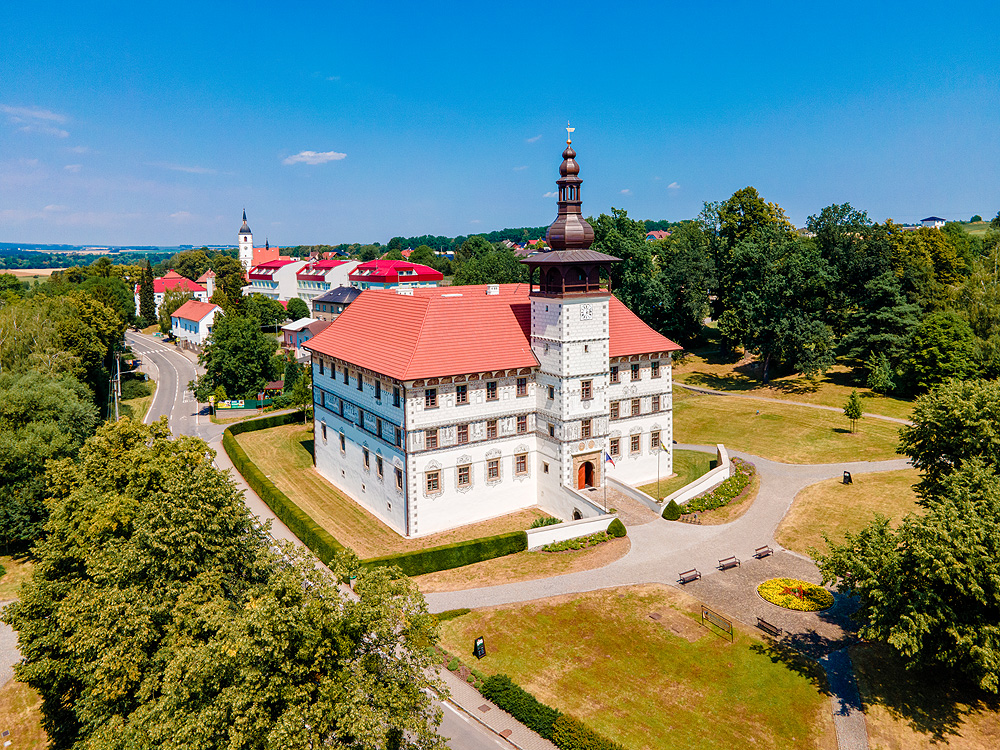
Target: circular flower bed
[[792, 593]]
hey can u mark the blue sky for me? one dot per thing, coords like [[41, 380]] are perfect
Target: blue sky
[[140, 123]]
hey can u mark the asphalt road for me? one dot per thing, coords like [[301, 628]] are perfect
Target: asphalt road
[[172, 371]]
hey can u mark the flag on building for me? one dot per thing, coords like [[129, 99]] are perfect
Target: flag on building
[[662, 446], [608, 459]]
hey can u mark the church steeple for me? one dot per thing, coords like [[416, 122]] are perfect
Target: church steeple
[[245, 241], [570, 231]]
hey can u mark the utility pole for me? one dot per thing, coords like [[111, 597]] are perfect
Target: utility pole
[[118, 382]]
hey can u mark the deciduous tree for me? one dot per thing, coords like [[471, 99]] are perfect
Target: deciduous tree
[[237, 356], [297, 309]]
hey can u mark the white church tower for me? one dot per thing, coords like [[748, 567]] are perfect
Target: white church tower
[[246, 244], [570, 338]]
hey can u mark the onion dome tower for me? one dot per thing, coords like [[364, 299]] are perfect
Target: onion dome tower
[[570, 266]]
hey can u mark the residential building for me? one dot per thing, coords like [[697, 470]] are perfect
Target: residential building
[[656, 234], [320, 276], [298, 332], [393, 274], [331, 304], [439, 407], [275, 279], [207, 280], [192, 322], [170, 282], [934, 222]]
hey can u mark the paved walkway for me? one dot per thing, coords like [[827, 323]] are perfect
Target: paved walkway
[[713, 392]]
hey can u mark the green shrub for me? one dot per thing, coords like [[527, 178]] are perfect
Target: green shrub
[[455, 555], [135, 389], [617, 529], [311, 534], [571, 734], [547, 521], [275, 420], [726, 492], [672, 512], [520, 704], [3, 571], [580, 542], [454, 664], [451, 614]]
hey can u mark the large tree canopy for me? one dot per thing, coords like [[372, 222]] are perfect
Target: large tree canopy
[[158, 614], [238, 356]]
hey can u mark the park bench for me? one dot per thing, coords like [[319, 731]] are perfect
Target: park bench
[[689, 575], [768, 627], [729, 562], [762, 552]]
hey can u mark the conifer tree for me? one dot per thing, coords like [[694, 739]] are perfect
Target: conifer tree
[[147, 304]]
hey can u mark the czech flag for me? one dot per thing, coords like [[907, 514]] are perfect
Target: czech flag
[[608, 459], [662, 446]]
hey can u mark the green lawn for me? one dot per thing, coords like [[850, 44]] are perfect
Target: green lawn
[[688, 466], [20, 714], [709, 369], [646, 683], [137, 407], [833, 507], [781, 432], [284, 454]]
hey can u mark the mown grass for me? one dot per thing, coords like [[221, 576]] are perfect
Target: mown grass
[[284, 454], [834, 508], [647, 683], [17, 570], [688, 466], [20, 714], [710, 369], [907, 710], [782, 432], [136, 408]]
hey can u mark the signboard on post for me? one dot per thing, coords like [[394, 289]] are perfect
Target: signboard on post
[[714, 618], [480, 648], [847, 478]]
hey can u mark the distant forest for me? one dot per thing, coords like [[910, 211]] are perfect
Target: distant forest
[[11, 258]]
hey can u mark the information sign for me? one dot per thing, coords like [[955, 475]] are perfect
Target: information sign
[[480, 648]]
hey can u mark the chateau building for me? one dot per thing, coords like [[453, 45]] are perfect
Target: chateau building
[[439, 407]]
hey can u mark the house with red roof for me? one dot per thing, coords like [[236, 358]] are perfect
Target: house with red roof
[[393, 274], [169, 282], [207, 280], [276, 279], [440, 407], [656, 234], [320, 276], [191, 323]]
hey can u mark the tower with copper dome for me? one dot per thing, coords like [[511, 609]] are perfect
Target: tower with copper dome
[[570, 337]]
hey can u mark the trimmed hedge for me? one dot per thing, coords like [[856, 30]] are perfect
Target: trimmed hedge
[[672, 512], [570, 734], [564, 731], [616, 529], [520, 704], [314, 536], [455, 555]]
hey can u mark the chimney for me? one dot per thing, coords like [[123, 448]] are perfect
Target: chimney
[[493, 289]]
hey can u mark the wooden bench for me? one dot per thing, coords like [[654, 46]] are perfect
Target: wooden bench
[[768, 627], [762, 552], [689, 575], [729, 562]]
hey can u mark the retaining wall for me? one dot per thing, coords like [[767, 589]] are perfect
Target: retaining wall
[[568, 530]]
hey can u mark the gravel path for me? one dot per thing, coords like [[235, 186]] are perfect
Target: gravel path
[[9, 654]]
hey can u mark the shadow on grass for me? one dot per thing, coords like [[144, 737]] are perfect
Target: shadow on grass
[[309, 445], [933, 702], [780, 652]]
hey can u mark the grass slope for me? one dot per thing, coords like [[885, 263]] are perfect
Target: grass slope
[[688, 466], [709, 369], [650, 684], [285, 455], [832, 507], [787, 433], [18, 570], [137, 407], [20, 714]]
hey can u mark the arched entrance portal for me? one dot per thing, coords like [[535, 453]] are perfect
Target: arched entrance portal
[[585, 476]]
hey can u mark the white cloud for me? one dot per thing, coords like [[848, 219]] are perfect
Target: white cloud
[[551, 194], [534, 139], [73, 167], [35, 120], [314, 157], [520, 169], [673, 186], [189, 169], [182, 216], [475, 221], [79, 149], [53, 207], [626, 191]]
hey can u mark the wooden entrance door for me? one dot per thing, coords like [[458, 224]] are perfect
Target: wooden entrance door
[[585, 476]]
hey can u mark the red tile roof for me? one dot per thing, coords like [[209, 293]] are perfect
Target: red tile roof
[[318, 268], [393, 271], [173, 280], [456, 330], [209, 274], [194, 310]]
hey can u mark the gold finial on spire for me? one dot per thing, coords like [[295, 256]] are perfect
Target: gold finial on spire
[[569, 132]]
